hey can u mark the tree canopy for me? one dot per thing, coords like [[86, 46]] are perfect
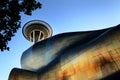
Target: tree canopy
[[10, 18]]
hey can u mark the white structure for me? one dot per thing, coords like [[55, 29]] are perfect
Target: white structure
[[36, 30]]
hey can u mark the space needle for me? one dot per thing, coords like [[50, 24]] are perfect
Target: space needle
[[37, 30]]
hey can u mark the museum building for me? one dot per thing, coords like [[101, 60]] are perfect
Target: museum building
[[84, 55]]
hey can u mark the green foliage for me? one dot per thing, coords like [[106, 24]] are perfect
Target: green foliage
[[10, 18]]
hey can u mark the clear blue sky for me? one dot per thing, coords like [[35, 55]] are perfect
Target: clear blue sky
[[63, 16]]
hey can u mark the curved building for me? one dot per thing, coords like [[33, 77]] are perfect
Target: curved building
[[87, 55]]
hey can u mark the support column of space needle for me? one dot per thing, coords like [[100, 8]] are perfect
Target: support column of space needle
[[36, 30]]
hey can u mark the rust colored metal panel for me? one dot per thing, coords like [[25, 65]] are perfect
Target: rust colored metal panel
[[95, 61], [72, 56], [20, 74]]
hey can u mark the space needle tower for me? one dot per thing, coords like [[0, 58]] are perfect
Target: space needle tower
[[37, 30]]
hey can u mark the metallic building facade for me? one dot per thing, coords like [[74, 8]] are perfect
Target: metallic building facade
[[89, 55]]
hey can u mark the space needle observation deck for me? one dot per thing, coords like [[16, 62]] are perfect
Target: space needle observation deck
[[36, 30]]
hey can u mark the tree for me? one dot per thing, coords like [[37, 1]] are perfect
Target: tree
[[10, 18]]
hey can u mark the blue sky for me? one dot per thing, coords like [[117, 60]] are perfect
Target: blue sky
[[63, 16]]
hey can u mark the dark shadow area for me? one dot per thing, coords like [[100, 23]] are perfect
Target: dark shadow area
[[114, 76]]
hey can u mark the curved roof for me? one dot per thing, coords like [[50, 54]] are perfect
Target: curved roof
[[49, 51]]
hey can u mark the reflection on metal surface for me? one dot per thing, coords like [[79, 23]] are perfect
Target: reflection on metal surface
[[88, 55], [41, 53], [95, 61], [20, 74]]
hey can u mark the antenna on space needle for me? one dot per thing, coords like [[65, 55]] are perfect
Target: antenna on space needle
[[37, 30]]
